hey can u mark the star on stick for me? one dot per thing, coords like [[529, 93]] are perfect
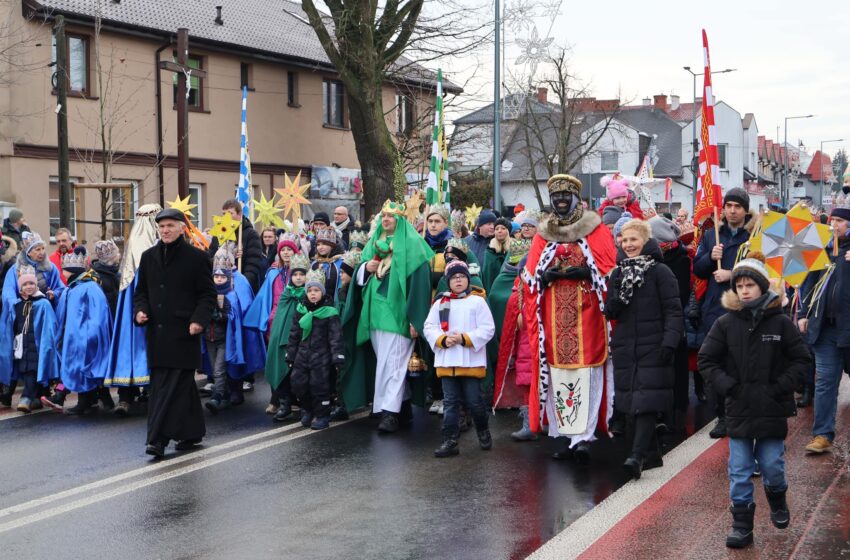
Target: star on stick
[[472, 213], [266, 212], [183, 205], [224, 228], [292, 197]]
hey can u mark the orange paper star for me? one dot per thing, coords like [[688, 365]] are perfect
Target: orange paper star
[[292, 197]]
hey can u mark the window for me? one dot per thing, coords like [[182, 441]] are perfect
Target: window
[[333, 110], [292, 89], [77, 51], [195, 83], [721, 155], [404, 114], [609, 161], [246, 76], [123, 204], [196, 191], [53, 206]]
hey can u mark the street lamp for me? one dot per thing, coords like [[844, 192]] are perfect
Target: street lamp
[[695, 158], [787, 191], [822, 142]]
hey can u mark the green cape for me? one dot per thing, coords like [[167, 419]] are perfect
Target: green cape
[[492, 265], [497, 299], [276, 366]]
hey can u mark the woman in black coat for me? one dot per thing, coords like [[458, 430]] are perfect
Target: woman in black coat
[[643, 299]]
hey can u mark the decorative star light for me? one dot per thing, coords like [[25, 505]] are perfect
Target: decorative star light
[[534, 48], [224, 228], [472, 213], [267, 212], [183, 205], [292, 197], [520, 15]]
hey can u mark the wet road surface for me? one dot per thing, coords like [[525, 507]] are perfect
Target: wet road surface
[[81, 487]]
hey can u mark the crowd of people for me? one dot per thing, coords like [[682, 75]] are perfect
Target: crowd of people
[[589, 323]]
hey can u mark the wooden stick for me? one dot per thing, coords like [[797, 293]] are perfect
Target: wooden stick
[[239, 248], [425, 221], [717, 232]]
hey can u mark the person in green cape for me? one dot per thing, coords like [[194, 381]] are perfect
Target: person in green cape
[[496, 251], [396, 296], [277, 370]]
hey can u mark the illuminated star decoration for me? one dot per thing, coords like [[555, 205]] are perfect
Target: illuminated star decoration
[[266, 212], [534, 49], [182, 205], [472, 213], [224, 228], [292, 197]]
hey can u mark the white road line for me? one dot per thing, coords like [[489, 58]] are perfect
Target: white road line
[[161, 465], [13, 415], [587, 529]]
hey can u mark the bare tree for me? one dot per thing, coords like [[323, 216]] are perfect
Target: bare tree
[[19, 42]]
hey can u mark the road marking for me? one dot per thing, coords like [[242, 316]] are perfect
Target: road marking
[[161, 465], [16, 414]]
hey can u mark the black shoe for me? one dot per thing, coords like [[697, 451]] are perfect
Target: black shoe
[[84, 403], [121, 410], [6, 399], [321, 423], [213, 405], [339, 413], [485, 440], [563, 452], [447, 449], [653, 461], [742, 526], [106, 401], [805, 399], [719, 429], [582, 452], [236, 399], [155, 449], [633, 466], [306, 418], [185, 444], [779, 514], [283, 413], [405, 415], [389, 423]]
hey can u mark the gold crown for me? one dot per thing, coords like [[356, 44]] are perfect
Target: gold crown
[[352, 259], [441, 210], [316, 276], [394, 208], [358, 237], [458, 243], [299, 262], [562, 183]]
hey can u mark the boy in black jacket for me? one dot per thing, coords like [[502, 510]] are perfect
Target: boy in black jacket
[[755, 356]]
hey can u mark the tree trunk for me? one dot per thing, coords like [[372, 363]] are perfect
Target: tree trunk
[[375, 148]]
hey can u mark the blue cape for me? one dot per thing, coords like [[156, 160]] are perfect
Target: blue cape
[[10, 285], [128, 355], [86, 322], [245, 350], [46, 337], [257, 316]]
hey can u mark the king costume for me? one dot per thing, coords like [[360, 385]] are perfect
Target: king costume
[[563, 296]]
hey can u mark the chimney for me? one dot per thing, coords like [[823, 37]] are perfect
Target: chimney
[[660, 101], [647, 102], [674, 102], [218, 20], [542, 94]]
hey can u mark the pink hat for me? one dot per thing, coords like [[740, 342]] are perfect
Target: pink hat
[[288, 243], [615, 186]]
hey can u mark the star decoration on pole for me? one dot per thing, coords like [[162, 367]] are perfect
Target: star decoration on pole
[[472, 213], [292, 197], [224, 228], [183, 205], [266, 212]]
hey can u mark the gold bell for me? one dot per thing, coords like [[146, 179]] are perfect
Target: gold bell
[[416, 366]]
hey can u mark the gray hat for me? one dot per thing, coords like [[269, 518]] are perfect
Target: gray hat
[[738, 195], [171, 214], [621, 222], [15, 215], [611, 214], [664, 230]]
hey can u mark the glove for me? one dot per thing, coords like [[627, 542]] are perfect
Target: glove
[[666, 355], [577, 273]]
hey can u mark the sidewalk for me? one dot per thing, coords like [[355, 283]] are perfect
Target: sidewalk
[[684, 514]]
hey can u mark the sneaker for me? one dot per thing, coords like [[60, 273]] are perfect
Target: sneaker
[[272, 409], [247, 386], [56, 401], [485, 440], [321, 423], [36, 405], [24, 406], [719, 429], [185, 444], [436, 407], [306, 419], [389, 423], [213, 405], [819, 445], [447, 449], [207, 389], [155, 449]]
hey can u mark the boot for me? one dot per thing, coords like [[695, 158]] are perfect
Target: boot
[[389, 423], [779, 514], [321, 423], [582, 452], [306, 418], [485, 440], [105, 398], [84, 404], [447, 448], [283, 413], [741, 534], [805, 399], [563, 451], [633, 466], [524, 433], [719, 429]]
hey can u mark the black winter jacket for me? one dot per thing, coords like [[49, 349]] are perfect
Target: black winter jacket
[[109, 279], [323, 349], [643, 381], [757, 362], [253, 259]]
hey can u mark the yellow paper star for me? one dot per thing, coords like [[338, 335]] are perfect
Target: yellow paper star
[[224, 228], [292, 197], [472, 213], [266, 212], [182, 205], [412, 206]]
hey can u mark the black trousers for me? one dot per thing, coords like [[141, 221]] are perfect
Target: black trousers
[[681, 378], [645, 442], [174, 407]]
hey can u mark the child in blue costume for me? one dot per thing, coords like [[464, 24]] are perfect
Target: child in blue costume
[[328, 260], [33, 254], [28, 337]]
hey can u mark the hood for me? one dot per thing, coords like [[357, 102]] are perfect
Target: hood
[[550, 230], [11, 250], [105, 269], [42, 266], [732, 302]]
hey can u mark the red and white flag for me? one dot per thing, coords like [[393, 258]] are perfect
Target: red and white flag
[[668, 189], [709, 192]]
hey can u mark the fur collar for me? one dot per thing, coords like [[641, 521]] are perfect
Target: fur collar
[[500, 248], [11, 250], [42, 266], [732, 302], [551, 231]]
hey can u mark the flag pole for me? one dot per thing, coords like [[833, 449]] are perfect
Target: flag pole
[[239, 249], [717, 231]]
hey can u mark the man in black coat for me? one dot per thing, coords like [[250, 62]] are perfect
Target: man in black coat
[[175, 296], [251, 257]]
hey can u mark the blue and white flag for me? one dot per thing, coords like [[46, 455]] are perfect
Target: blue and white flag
[[244, 190]]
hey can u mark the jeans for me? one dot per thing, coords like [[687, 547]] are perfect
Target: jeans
[[455, 391], [218, 361], [829, 364], [30, 385], [743, 452]]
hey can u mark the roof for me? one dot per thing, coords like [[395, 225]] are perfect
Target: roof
[[748, 120], [684, 113], [667, 133], [275, 27], [820, 161], [484, 115]]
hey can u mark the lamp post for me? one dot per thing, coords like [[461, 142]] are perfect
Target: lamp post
[[497, 118], [694, 145], [822, 142], [786, 189]]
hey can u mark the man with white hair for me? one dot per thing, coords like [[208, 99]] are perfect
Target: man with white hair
[[342, 225]]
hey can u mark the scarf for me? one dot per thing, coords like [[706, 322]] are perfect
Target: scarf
[[341, 227], [306, 320], [633, 271], [222, 289], [446, 306], [438, 240], [757, 306]]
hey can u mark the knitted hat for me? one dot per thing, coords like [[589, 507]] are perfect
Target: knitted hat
[[504, 222], [752, 267], [664, 230], [529, 218], [75, 261], [26, 273], [327, 235], [223, 262], [350, 262], [841, 209], [621, 222], [456, 267], [106, 251], [315, 279], [322, 217], [289, 240], [29, 241], [738, 195], [611, 214], [15, 215], [518, 249], [485, 217], [299, 262], [615, 186], [458, 248]]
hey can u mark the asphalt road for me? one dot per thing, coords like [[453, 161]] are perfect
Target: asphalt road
[[81, 487]]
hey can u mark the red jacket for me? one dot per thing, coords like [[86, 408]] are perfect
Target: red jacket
[[632, 206], [56, 258]]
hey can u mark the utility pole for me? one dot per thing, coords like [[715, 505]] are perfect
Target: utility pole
[[497, 116], [61, 81]]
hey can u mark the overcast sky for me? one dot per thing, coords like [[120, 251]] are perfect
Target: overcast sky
[[792, 58]]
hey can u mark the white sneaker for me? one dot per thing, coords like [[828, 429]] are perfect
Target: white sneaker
[[247, 386], [207, 389], [436, 407]]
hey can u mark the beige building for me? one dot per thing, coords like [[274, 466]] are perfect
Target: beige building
[[296, 105]]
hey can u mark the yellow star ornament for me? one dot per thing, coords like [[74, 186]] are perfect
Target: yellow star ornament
[[224, 228], [472, 213], [266, 212], [183, 205], [292, 197]]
